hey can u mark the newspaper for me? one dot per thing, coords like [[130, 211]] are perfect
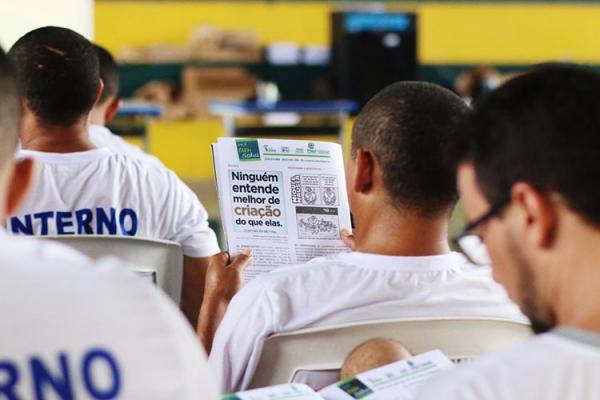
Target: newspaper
[[396, 381], [284, 199], [291, 391]]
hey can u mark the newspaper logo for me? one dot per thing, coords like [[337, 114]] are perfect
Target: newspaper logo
[[248, 149], [355, 388]]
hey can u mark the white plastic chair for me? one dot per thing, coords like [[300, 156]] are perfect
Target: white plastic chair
[[161, 257], [324, 348]]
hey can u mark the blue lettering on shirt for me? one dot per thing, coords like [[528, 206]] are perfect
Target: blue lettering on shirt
[[63, 221], [43, 378], [103, 220], [85, 221], [99, 357], [9, 376], [128, 214], [17, 226], [60, 378], [44, 217]]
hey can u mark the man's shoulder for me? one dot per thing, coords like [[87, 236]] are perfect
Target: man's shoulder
[[312, 269], [101, 136], [138, 168], [103, 306], [63, 274], [511, 370]]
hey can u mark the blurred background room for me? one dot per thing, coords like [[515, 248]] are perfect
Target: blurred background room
[[192, 71]]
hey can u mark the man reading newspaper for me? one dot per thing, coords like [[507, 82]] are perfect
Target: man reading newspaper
[[402, 194]]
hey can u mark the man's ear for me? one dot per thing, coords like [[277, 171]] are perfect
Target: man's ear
[[364, 166], [19, 184], [99, 90], [537, 213], [112, 109]]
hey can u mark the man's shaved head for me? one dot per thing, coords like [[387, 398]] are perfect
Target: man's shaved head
[[373, 353], [410, 127], [58, 73], [10, 109]]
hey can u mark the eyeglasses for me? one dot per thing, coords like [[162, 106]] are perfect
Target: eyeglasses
[[471, 244]]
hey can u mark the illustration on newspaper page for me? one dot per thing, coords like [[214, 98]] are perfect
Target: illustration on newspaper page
[[284, 199]]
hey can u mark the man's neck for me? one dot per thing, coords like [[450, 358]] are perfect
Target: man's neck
[[388, 231], [54, 138], [576, 294], [97, 115]]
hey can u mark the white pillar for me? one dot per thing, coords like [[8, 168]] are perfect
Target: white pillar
[[18, 17]]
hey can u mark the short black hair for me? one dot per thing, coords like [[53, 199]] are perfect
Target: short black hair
[[409, 126], [10, 109], [109, 73], [58, 74], [541, 128]]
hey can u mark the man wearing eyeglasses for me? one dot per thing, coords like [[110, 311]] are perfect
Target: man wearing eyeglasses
[[529, 173]]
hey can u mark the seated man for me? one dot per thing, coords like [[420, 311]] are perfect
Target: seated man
[[73, 328], [528, 173], [401, 194], [371, 354], [81, 189], [106, 108]]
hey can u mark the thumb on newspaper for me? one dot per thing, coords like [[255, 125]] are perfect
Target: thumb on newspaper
[[241, 261]]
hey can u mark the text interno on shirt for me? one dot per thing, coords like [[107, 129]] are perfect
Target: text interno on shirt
[[61, 378], [85, 221]]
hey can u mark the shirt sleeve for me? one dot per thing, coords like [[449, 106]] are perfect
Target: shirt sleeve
[[188, 221], [239, 341]]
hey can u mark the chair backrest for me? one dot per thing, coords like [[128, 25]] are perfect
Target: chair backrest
[[164, 258], [325, 348]]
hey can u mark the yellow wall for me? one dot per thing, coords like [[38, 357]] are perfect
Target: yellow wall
[[460, 33], [509, 33], [184, 146], [123, 23]]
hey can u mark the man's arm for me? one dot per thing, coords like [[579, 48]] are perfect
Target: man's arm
[[192, 290], [222, 281], [240, 334]]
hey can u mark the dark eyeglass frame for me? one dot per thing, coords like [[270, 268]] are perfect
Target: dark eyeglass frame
[[494, 210]]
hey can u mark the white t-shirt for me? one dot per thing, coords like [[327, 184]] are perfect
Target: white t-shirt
[[99, 192], [562, 364], [86, 330], [101, 136], [344, 288]]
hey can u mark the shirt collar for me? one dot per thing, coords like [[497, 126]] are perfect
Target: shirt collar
[[578, 335], [65, 158], [418, 263]]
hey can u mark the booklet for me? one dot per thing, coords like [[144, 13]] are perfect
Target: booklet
[[284, 199], [395, 381]]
